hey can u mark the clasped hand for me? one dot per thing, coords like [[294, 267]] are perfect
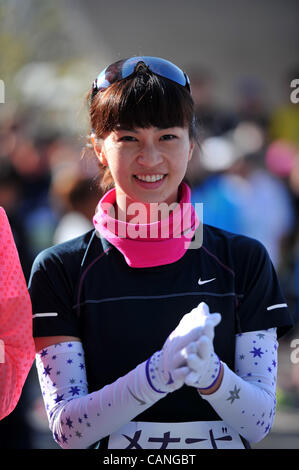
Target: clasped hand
[[188, 354]]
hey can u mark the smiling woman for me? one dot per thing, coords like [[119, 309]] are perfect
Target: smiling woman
[[147, 164], [130, 355], [144, 101]]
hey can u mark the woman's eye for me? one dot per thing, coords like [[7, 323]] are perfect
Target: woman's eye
[[168, 137], [127, 138]]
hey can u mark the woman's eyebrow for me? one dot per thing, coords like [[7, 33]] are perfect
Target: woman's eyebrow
[[119, 127]]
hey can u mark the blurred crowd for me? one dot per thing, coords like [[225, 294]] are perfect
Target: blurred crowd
[[245, 171]]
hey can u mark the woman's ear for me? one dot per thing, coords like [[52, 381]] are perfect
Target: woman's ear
[[192, 145], [98, 148]]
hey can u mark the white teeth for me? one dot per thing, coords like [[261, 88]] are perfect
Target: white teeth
[[149, 178]]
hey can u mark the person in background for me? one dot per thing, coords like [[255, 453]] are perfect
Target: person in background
[[11, 199], [239, 194], [75, 196], [17, 345]]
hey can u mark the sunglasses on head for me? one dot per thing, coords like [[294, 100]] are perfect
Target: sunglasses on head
[[124, 68]]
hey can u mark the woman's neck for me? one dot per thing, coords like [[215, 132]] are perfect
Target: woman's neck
[[142, 243], [130, 211], [142, 214]]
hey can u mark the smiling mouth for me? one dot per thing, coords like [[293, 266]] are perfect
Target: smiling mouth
[[150, 178]]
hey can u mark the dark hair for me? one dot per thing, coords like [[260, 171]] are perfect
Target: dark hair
[[143, 99]]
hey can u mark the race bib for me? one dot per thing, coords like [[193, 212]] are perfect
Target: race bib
[[190, 435]]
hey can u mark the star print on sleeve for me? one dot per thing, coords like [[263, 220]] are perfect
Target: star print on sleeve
[[78, 418], [260, 335], [234, 394], [69, 422], [58, 398], [260, 350], [74, 391], [246, 398], [47, 370], [257, 352]]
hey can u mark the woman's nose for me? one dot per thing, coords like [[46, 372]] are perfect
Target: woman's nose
[[149, 155]]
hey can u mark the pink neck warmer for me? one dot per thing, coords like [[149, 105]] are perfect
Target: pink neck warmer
[[153, 244]]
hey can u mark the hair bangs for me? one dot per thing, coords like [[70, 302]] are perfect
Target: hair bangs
[[142, 101]]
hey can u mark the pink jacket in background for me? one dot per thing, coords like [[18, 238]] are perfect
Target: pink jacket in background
[[17, 349]]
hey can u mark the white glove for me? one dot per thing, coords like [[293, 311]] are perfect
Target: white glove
[[201, 317], [204, 363], [167, 369], [200, 356]]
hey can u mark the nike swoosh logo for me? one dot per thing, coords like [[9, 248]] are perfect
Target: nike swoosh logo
[[200, 282]]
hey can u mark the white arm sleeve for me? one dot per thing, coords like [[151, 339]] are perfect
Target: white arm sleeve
[[246, 399], [77, 418]]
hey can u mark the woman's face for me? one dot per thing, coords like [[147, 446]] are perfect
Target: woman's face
[[147, 164]]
